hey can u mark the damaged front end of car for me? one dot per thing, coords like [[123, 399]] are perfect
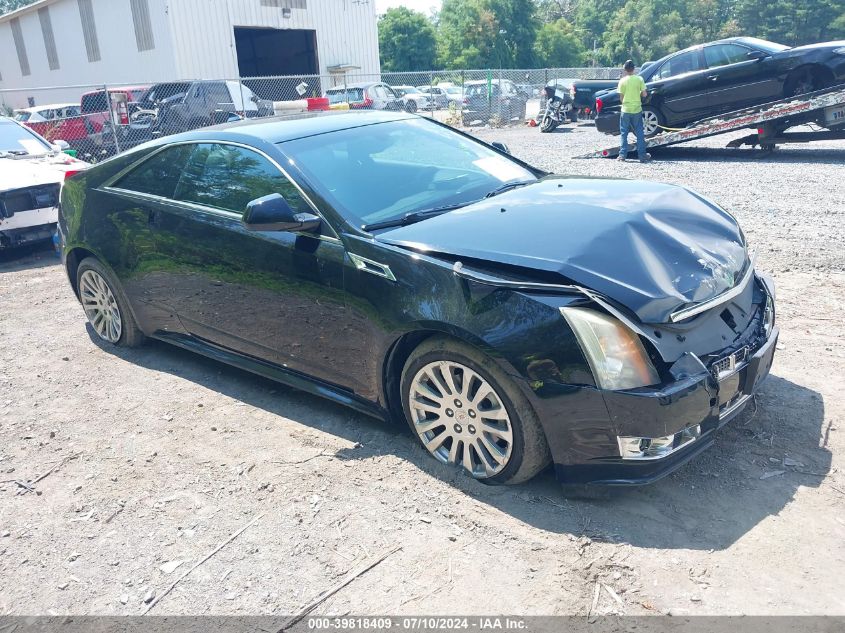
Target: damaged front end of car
[[667, 387]]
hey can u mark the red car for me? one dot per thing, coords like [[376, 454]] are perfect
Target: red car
[[55, 122]]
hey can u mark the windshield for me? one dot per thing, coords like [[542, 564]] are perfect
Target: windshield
[[480, 90], [19, 140], [765, 45], [165, 91], [385, 171], [352, 95]]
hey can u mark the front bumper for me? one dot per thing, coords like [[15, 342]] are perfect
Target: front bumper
[[698, 402], [608, 122]]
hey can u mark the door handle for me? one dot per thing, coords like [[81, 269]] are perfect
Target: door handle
[[713, 77]]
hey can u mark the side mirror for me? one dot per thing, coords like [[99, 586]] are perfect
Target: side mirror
[[61, 145], [273, 213], [758, 55], [500, 146]]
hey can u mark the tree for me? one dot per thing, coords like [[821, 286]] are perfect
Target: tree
[[6, 6], [558, 46], [467, 35], [406, 41], [792, 23], [518, 30]]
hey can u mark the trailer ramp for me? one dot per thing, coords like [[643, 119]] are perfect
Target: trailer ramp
[[825, 107]]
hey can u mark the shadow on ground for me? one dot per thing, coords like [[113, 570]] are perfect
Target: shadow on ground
[[709, 504], [786, 154], [31, 256]]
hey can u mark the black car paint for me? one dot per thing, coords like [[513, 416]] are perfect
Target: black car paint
[[683, 99], [295, 306]]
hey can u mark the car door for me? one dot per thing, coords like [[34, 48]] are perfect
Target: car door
[[273, 295], [679, 88], [737, 81]]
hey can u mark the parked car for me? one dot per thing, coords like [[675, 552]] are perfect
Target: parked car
[[172, 107], [45, 113], [730, 74], [31, 173], [436, 95], [482, 102], [412, 98], [97, 106], [366, 96], [56, 121], [388, 262], [454, 95], [583, 93]]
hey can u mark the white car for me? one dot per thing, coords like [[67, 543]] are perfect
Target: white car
[[412, 98], [31, 175], [40, 114]]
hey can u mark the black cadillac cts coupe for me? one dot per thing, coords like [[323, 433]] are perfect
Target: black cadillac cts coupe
[[513, 318]]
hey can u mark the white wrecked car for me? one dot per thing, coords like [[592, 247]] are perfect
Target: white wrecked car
[[31, 174]]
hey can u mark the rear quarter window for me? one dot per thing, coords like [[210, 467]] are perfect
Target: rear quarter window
[[159, 175], [95, 102]]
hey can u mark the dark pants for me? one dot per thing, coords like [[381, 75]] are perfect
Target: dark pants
[[634, 123]]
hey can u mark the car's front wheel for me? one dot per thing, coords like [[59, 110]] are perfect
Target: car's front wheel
[[105, 305], [468, 413]]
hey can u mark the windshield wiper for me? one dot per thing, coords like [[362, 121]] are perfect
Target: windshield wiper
[[513, 184], [13, 152], [414, 216]]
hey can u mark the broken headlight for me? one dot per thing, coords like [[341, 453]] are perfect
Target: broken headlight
[[615, 353], [769, 316]]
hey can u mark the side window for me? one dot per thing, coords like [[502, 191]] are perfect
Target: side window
[[228, 178], [725, 54], [158, 175], [679, 65], [218, 94]]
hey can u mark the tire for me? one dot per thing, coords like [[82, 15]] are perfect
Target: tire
[[100, 294], [411, 106], [511, 429], [548, 124], [651, 122]]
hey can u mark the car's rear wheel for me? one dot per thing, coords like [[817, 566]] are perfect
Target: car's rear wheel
[[651, 122], [468, 413], [106, 306]]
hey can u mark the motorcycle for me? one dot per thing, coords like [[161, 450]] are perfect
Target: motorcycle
[[558, 106]]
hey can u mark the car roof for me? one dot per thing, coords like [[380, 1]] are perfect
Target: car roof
[[360, 84], [48, 107], [287, 128]]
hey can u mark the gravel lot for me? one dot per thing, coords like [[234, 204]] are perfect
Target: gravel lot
[[160, 456]]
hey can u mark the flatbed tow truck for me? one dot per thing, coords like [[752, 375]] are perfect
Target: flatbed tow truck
[[824, 108]]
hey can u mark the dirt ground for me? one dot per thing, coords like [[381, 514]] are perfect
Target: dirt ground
[[160, 456]]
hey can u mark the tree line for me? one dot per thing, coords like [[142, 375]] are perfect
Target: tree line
[[574, 33]]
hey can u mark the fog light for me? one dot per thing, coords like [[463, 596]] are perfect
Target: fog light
[[645, 448]]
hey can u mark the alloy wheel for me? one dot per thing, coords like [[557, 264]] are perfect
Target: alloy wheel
[[100, 306], [650, 123], [461, 419]]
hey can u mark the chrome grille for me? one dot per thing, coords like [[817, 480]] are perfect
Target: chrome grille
[[729, 364]]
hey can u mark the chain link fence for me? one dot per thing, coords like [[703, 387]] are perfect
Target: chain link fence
[[101, 120]]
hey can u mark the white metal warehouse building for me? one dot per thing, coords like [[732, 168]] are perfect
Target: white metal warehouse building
[[96, 42]]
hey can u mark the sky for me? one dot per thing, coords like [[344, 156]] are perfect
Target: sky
[[423, 6]]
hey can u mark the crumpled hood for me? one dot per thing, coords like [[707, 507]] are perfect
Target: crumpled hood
[[820, 45], [652, 247], [17, 173]]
